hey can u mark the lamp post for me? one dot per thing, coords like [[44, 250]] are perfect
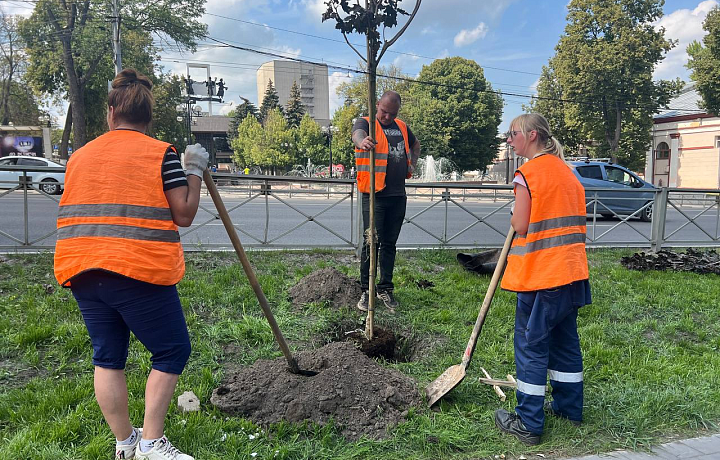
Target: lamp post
[[329, 130]]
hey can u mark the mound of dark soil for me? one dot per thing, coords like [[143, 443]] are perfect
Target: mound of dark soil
[[690, 261], [362, 397], [326, 285]]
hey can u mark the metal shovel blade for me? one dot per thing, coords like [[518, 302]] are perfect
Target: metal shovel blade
[[442, 385]]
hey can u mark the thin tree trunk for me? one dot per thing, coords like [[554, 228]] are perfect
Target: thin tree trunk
[[372, 87], [66, 134]]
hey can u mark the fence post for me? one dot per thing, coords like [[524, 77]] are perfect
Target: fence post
[[26, 182], [658, 220]]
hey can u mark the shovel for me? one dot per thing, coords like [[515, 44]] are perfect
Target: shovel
[[225, 217], [455, 374]]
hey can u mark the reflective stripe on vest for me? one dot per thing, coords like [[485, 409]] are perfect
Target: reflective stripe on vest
[[552, 253], [382, 148], [114, 215]]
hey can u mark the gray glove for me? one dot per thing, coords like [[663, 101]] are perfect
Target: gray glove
[[195, 159]]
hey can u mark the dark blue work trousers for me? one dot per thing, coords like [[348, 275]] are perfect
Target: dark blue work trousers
[[547, 344], [389, 217]]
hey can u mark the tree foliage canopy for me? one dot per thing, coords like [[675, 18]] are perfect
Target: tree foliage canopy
[[270, 102], [605, 61], [458, 117], [311, 142], [69, 45], [704, 63], [294, 109]]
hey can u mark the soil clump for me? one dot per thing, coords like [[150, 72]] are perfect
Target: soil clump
[[381, 346], [690, 261], [326, 285], [359, 395]]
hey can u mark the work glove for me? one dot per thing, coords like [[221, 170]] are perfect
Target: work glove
[[195, 159]]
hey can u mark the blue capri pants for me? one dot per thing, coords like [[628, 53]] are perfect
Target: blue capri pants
[[113, 305]]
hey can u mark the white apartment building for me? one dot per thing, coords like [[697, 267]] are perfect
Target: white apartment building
[[312, 80]]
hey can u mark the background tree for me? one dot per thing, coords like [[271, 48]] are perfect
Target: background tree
[[238, 115], [342, 145], [605, 61], [550, 104], [168, 95], [458, 116], [23, 107], [249, 137], [311, 143], [271, 145], [270, 102], [68, 41], [704, 63], [294, 109], [13, 61], [390, 78]]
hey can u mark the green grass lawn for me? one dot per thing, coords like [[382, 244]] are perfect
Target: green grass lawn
[[650, 343]]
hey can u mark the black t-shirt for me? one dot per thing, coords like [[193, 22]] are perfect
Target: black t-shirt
[[397, 158]]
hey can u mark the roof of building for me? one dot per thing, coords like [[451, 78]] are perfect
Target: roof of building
[[211, 124], [684, 104]]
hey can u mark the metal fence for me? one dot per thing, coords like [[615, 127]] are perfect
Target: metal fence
[[444, 214]]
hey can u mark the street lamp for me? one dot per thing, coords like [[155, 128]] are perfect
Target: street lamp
[[328, 131]]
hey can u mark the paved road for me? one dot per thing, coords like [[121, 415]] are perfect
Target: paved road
[[704, 448], [429, 218]]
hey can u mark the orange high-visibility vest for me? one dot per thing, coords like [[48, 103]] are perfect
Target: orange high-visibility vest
[[552, 253], [382, 148], [114, 215]]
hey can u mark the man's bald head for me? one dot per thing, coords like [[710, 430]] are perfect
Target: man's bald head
[[392, 97], [388, 107]]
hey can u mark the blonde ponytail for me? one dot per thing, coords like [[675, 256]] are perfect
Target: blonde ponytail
[[528, 122]]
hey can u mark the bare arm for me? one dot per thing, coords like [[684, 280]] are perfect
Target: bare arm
[[520, 219], [362, 141], [415, 153], [184, 201]]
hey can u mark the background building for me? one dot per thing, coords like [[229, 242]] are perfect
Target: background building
[[312, 80], [685, 145], [210, 131]]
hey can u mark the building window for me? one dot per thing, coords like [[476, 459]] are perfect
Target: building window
[[663, 151]]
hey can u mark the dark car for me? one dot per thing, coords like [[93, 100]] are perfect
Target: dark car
[[599, 174]]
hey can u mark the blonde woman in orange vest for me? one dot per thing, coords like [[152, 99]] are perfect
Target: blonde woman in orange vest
[[547, 267], [119, 250], [396, 154]]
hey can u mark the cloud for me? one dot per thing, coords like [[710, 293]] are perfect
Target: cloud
[[466, 37], [683, 25], [334, 80]]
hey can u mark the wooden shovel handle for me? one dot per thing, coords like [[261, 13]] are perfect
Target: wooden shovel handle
[[225, 217], [497, 274]]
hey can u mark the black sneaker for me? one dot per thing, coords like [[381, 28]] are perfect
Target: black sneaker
[[510, 423], [364, 301], [547, 406], [388, 299]]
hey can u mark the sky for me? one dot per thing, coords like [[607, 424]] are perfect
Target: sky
[[510, 39]]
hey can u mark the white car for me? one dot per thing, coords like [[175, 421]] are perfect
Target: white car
[[50, 182]]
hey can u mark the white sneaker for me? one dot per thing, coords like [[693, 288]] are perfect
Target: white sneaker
[[162, 450], [127, 451]]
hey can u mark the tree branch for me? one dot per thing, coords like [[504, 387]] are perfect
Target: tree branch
[[353, 48], [394, 39], [84, 14]]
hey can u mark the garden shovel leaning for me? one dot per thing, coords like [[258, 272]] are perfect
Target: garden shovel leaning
[[455, 374], [225, 217]]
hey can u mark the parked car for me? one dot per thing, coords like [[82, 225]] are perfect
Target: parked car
[[50, 182], [608, 175]]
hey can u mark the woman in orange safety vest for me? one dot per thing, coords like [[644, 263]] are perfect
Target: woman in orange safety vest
[[547, 267], [119, 251]]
